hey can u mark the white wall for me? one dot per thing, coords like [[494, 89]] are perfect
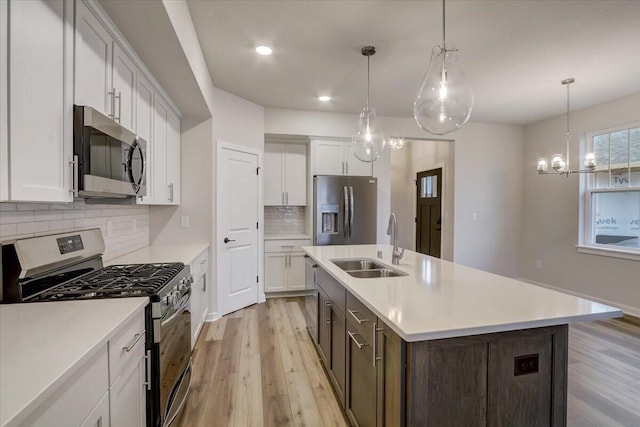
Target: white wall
[[488, 180], [418, 156], [551, 212]]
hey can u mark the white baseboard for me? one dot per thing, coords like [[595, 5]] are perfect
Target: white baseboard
[[634, 311], [212, 316]]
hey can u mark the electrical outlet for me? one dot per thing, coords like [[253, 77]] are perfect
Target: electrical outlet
[[539, 264], [184, 221]]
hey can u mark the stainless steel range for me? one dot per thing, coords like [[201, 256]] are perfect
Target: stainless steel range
[[69, 266]]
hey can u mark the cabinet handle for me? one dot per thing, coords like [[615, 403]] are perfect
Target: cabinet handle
[[376, 330], [287, 193], [203, 261], [283, 197], [360, 321], [327, 320], [147, 365], [347, 167], [204, 283], [119, 96], [353, 337], [136, 338], [99, 422], [171, 192], [73, 185], [342, 167], [112, 93]]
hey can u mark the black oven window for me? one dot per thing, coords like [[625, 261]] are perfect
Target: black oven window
[[108, 156]]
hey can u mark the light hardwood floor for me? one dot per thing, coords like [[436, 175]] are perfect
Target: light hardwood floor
[[257, 367]]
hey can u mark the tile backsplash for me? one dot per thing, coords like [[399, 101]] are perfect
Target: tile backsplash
[[284, 219], [125, 228]]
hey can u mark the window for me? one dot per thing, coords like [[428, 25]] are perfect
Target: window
[[612, 194]]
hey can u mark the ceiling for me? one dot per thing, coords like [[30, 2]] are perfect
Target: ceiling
[[514, 53]]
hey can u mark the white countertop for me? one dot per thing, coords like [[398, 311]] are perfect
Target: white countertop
[[162, 253], [440, 299], [286, 237], [41, 344]]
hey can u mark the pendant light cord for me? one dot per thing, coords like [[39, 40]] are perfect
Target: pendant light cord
[[568, 133], [368, 71], [444, 40]]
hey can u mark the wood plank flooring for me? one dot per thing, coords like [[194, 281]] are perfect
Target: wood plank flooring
[[257, 367]]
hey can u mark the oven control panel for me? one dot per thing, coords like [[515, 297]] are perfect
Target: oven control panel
[[69, 244]]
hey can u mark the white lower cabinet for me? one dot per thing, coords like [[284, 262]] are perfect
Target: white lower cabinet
[[107, 390], [284, 265], [128, 394], [199, 294]]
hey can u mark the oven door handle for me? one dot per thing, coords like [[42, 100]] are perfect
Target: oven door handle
[[177, 312]]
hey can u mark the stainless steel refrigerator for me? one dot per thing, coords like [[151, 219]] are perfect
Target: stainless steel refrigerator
[[344, 210]]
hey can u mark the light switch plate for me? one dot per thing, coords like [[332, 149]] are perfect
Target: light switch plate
[[184, 221]]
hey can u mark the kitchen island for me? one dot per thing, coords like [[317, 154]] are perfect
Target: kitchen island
[[443, 344]]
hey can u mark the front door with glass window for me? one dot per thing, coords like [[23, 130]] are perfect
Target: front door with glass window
[[429, 212]]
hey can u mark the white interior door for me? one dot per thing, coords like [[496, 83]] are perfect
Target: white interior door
[[237, 230]]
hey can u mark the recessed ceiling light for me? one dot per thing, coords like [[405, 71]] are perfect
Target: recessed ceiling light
[[264, 50], [324, 98]]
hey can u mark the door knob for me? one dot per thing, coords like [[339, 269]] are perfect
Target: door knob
[[227, 240]]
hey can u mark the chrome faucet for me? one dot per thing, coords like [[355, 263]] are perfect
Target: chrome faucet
[[392, 230]]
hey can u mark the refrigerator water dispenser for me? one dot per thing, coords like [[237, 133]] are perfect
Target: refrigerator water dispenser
[[329, 219]]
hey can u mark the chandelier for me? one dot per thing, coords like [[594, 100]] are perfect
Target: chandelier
[[560, 165]]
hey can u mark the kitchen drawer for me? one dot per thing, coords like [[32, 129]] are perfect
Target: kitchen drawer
[[77, 397], [200, 265], [334, 290], [360, 317], [131, 337], [291, 245]]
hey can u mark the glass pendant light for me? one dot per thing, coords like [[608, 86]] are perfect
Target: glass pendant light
[[445, 100], [369, 141]]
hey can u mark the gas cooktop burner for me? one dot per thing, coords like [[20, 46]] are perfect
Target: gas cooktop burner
[[115, 281]]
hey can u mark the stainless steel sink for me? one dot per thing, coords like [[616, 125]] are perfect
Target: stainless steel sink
[[372, 274], [366, 268], [358, 264]]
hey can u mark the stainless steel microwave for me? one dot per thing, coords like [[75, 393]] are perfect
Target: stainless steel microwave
[[110, 159]]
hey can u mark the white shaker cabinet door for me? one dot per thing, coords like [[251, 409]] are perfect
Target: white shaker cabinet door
[[93, 62], [275, 272], [295, 272], [354, 166], [295, 175], [39, 134], [144, 129], [160, 182], [329, 157], [128, 395], [124, 86], [173, 158], [273, 174]]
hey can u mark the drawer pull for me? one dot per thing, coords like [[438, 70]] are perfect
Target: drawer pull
[[360, 321], [203, 261], [136, 338], [353, 337]]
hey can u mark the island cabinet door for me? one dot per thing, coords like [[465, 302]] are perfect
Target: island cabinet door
[[390, 363], [324, 329], [338, 343], [360, 402]]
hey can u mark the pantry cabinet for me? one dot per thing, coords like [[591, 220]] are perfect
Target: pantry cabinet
[[36, 103], [285, 174], [335, 157]]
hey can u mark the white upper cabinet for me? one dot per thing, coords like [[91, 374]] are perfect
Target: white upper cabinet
[[124, 87], [285, 174], [93, 62], [335, 157], [144, 129], [36, 45], [160, 185], [173, 158]]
